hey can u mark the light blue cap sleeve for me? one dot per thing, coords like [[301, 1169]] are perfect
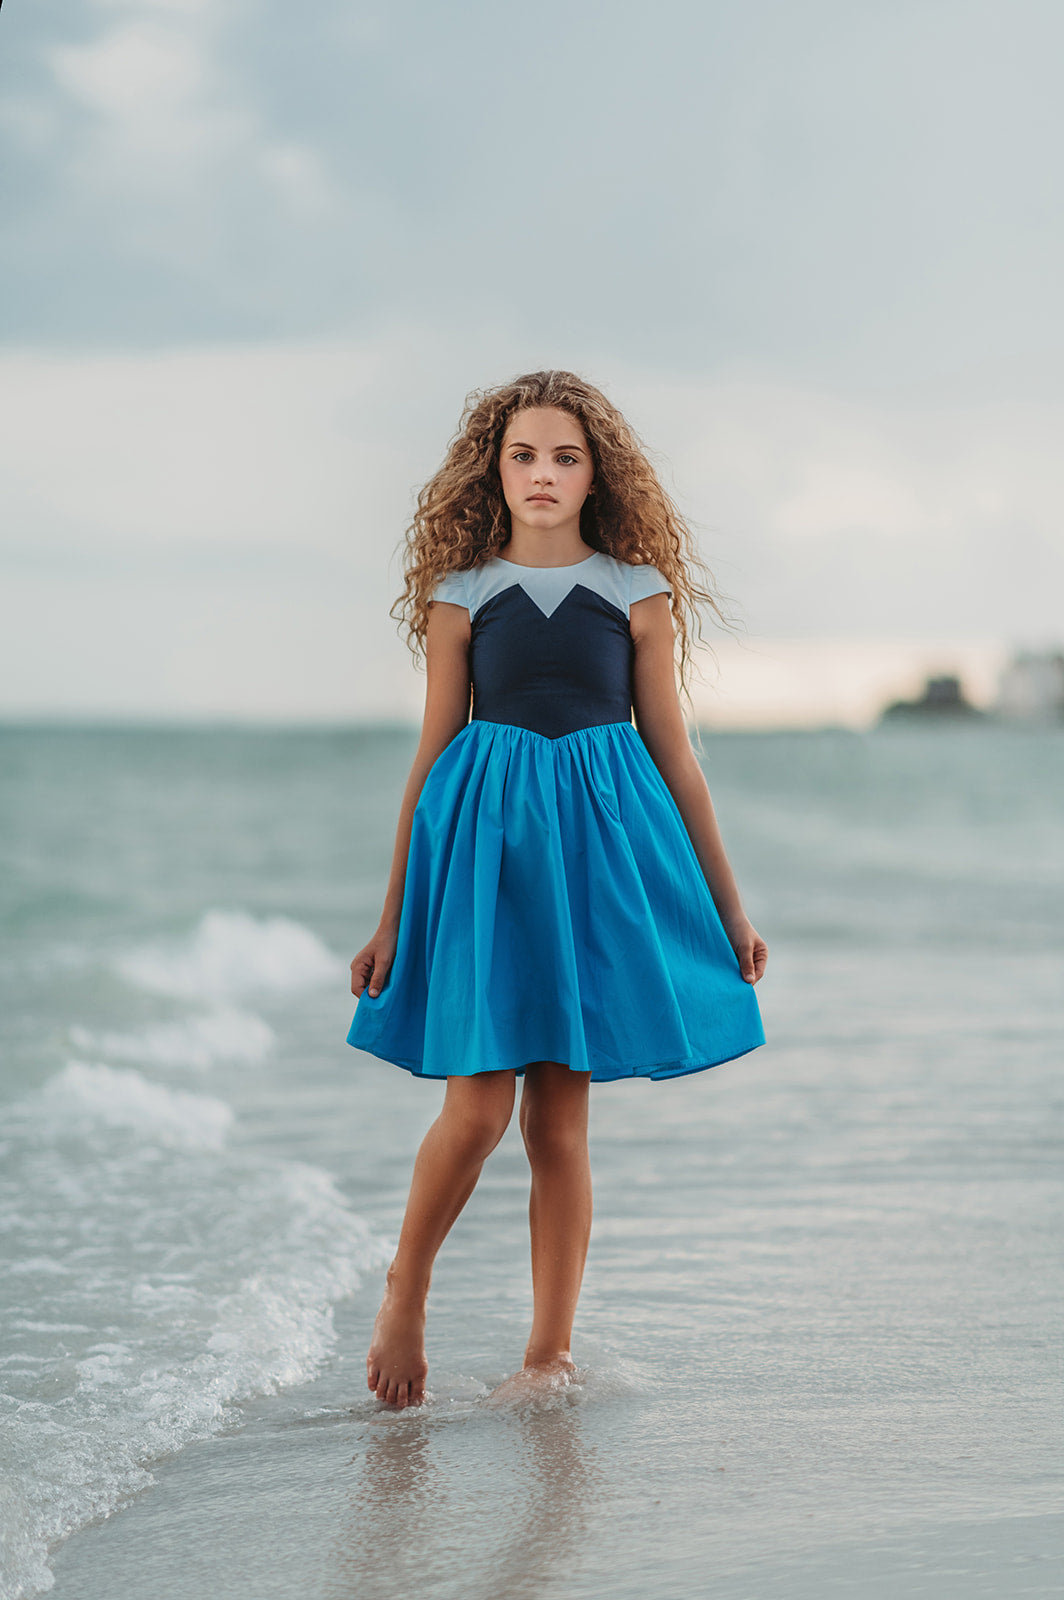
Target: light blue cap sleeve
[[452, 587], [646, 581]]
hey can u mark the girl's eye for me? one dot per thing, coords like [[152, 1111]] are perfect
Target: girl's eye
[[526, 455]]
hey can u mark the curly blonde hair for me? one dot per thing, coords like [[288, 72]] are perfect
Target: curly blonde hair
[[462, 518]]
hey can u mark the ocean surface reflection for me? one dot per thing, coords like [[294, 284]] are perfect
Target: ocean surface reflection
[[485, 1504]]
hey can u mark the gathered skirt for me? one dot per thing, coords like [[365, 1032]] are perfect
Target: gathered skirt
[[554, 910]]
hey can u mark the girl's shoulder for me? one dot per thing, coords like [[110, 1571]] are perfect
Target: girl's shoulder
[[618, 582]]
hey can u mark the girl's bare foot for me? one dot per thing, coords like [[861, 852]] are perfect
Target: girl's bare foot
[[396, 1367], [536, 1379]]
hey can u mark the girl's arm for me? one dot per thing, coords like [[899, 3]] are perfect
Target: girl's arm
[[659, 720], [446, 713]]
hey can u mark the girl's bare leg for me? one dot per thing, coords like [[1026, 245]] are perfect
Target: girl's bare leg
[[471, 1122], [554, 1113]]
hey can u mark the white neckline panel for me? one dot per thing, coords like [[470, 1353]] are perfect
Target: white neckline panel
[[548, 586]]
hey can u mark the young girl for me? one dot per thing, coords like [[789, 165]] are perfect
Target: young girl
[[560, 906]]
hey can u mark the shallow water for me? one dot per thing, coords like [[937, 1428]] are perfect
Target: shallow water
[[819, 1336]]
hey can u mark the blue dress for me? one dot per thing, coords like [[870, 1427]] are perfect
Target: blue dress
[[553, 907]]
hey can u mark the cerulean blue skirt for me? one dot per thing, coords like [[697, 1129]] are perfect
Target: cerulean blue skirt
[[554, 910]]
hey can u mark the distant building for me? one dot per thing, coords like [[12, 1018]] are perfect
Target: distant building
[[1031, 688], [943, 698]]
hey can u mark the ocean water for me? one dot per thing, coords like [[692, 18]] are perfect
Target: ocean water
[[820, 1335]]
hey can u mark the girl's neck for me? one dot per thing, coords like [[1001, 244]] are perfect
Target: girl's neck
[[531, 547]]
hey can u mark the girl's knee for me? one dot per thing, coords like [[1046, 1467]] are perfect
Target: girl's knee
[[479, 1113], [547, 1147], [553, 1132], [484, 1129]]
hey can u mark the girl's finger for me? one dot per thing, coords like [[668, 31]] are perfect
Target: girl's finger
[[376, 982], [757, 959]]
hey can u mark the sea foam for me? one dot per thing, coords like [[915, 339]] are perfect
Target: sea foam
[[161, 1275], [231, 954], [197, 1042], [86, 1093]]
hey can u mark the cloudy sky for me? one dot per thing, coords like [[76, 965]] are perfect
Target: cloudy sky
[[252, 263]]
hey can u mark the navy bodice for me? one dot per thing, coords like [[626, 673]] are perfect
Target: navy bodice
[[551, 647]]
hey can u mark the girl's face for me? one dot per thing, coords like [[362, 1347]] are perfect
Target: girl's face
[[546, 467]]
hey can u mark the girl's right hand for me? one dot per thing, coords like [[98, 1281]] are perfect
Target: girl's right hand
[[371, 966]]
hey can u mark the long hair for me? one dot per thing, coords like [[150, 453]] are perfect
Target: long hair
[[462, 518]]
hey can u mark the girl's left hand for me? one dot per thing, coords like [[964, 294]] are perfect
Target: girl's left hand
[[750, 949], [371, 966]]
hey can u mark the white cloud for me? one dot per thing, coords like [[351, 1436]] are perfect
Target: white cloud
[[171, 135], [299, 177], [146, 85], [141, 73]]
